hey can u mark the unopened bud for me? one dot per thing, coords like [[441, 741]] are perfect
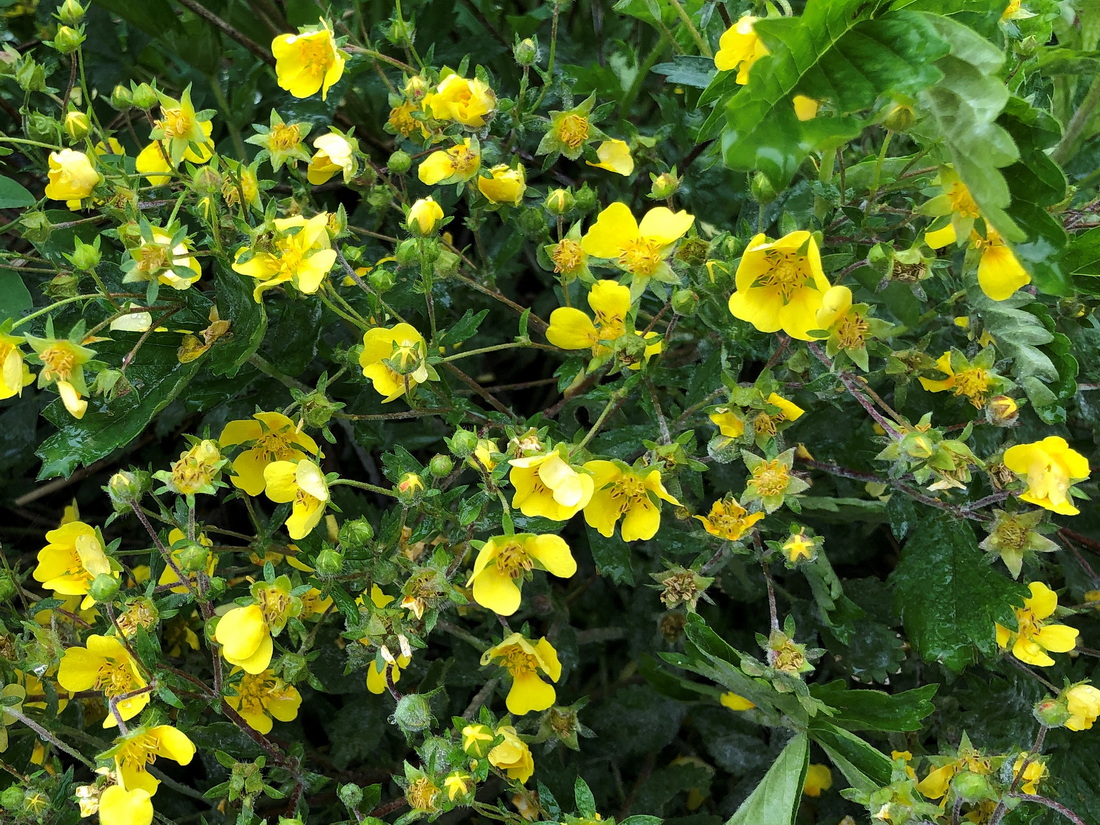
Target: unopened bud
[[463, 443], [407, 252], [40, 127], [559, 202], [900, 119], [665, 185], [77, 125], [762, 189], [440, 466], [586, 199], [126, 487], [413, 713], [971, 787], [381, 280], [684, 301], [330, 562], [85, 256], [399, 162], [1051, 712], [67, 40], [103, 588], [356, 533], [409, 488], [1002, 411], [71, 13], [145, 97], [121, 98], [194, 557], [526, 52]]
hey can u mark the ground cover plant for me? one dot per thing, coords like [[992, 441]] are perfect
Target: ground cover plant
[[561, 412]]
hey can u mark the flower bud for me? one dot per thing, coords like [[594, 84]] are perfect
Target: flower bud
[[1002, 411], [684, 301], [424, 217], [413, 713], [121, 98], [665, 185], [526, 52], [145, 97], [67, 40], [12, 798], [351, 795], [559, 202], [400, 32], [194, 557], [586, 199], [356, 533], [971, 787], [8, 587], [399, 162], [381, 280], [409, 488], [532, 223], [71, 13], [126, 487], [440, 466], [463, 443], [1051, 712], [762, 189], [103, 588], [40, 127], [63, 285], [330, 562], [86, 256], [900, 119], [77, 125]]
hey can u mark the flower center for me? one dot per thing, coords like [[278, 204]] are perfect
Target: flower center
[[401, 119], [573, 131], [315, 54], [641, 256], [518, 661], [175, 123], [253, 690], [274, 602], [1012, 535], [421, 794], [770, 479], [139, 752], [852, 331], [274, 447], [567, 256], [513, 560], [114, 678], [961, 202], [972, 384], [59, 360], [464, 160], [285, 137], [787, 275], [152, 258]]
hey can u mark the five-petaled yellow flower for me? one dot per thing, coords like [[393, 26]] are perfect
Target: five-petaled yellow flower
[[302, 255], [71, 560], [524, 659], [395, 359], [335, 153], [504, 184], [512, 755], [729, 520], [610, 301], [454, 165], [308, 62], [467, 101], [139, 748], [622, 493], [780, 285], [639, 249], [303, 485], [72, 176], [1051, 466], [170, 264], [1033, 636], [63, 364], [105, 664], [739, 48], [504, 561], [547, 485], [270, 437], [260, 697], [729, 423]]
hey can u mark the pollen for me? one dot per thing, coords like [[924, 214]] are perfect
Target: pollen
[[973, 384], [285, 137], [961, 201], [175, 123], [59, 361], [567, 256], [513, 560], [789, 272], [642, 256], [573, 131], [770, 479]]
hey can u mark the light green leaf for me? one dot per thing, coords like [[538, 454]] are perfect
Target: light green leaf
[[775, 800]]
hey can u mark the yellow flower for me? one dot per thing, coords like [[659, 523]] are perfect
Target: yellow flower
[[523, 660], [615, 157], [72, 176], [301, 255], [155, 161], [610, 302], [1000, 272], [780, 285], [469, 102], [14, 372], [245, 637], [735, 702], [789, 410], [119, 806], [171, 264], [1051, 467], [71, 560], [395, 359], [640, 249], [63, 365], [280, 142], [848, 326], [168, 575], [799, 547], [180, 130], [457, 784], [957, 204], [622, 493], [271, 436], [771, 480], [739, 48], [260, 697], [401, 121], [505, 185], [729, 520], [476, 739], [1033, 635], [133, 752], [547, 485], [512, 755], [302, 483], [1032, 775], [728, 422], [376, 672], [969, 760], [455, 165], [196, 471], [308, 62], [335, 153], [241, 183], [424, 216], [105, 664], [503, 562], [967, 379], [818, 778], [1083, 704]]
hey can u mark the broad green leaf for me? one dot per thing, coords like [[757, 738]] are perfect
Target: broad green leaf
[[863, 765], [949, 599], [157, 376], [962, 110], [775, 800], [154, 17], [688, 70], [874, 709], [248, 323], [612, 556], [14, 195], [15, 298]]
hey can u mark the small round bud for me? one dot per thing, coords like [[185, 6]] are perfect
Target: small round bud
[[85, 256], [8, 587], [71, 13], [330, 562], [440, 466], [77, 125], [145, 97], [526, 52], [665, 185], [559, 202], [126, 487], [1028, 46], [381, 280], [1002, 411], [407, 252], [67, 40], [463, 443], [971, 787], [762, 189], [103, 588], [63, 285], [413, 713], [38, 126], [400, 32], [399, 162], [12, 798], [356, 533], [532, 222], [121, 98], [586, 198], [1051, 712], [900, 118], [409, 488], [379, 198], [351, 795], [684, 301], [194, 557]]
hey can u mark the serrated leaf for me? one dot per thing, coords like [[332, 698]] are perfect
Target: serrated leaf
[[688, 70], [948, 598], [875, 709], [464, 328], [247, 319], [865, 767], [775, 800]]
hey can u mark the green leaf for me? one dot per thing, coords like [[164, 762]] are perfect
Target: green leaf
[[874, 709], [14, 195], [688, 70], [948, 598], [247, 319], [157, 376], [15, 298], [962, 111], [775, 800], [463, 329], [612, 556], [865, 767]]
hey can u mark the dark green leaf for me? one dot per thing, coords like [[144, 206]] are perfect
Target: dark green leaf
[[688, 70], [874, 709], [248, 324], [15, 298], [14, 195], [864, 766], [775, 800], [612, 556]]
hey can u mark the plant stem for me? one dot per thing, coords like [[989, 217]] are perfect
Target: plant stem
[[1071, 139], [704, 47], [363, 485]]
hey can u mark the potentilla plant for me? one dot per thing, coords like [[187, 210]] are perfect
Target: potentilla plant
[[567, 414]]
